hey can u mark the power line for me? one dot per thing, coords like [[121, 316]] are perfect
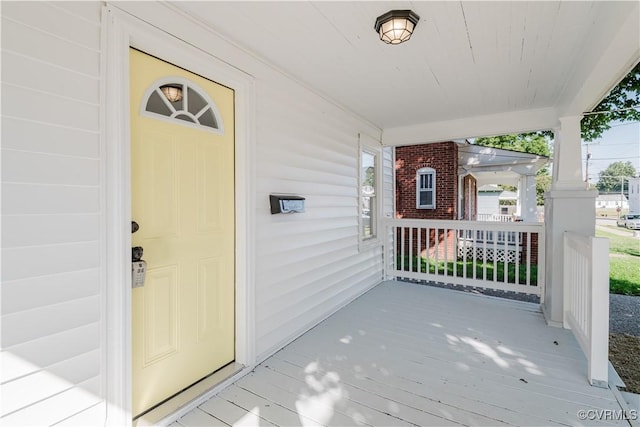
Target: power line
[[635, 107], [624, 124], [611, 145]]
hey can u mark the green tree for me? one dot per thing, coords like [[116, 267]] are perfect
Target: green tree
[[622, 104], [610, 179], [543, 184], [369, 176], [533, 143]]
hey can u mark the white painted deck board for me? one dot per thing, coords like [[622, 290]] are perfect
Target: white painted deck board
[[198, 418], [406, 354]]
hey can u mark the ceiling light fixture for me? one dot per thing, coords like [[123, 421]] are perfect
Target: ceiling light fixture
[[396, 26], [173, 92]]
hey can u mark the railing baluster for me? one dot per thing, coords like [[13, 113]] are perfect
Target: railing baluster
[[505, 277], [445, 237], [436, 249], [484, 259], [456, 243], [428, 248], [419, 250], [465, 249], [411, 249], [402, 258], [475, 253]]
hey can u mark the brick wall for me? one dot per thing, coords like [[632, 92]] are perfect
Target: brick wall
[[441, 156]]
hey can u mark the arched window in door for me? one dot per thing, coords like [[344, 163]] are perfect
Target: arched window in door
[[176, 98]]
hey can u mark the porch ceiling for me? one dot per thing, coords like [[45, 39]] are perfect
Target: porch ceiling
[[530, 62]]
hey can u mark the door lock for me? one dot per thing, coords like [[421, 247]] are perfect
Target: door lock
[[138, 265]]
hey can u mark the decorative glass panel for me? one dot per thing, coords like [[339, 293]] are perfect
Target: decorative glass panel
[[209, 119], [195, 106], [196, 101], [155, 104], [185, 118]]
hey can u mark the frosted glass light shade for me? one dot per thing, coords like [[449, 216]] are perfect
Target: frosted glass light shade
[[396, 26], [172, 92]]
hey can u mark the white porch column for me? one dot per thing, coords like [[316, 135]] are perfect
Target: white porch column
[[567, 155], [569, 206], [527, 204]]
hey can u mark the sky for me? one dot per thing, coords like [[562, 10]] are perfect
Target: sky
[[620, 143]]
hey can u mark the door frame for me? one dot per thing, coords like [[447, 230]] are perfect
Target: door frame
[[120, 31]]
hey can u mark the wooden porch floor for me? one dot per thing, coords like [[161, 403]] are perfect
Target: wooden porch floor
[[406, 354]]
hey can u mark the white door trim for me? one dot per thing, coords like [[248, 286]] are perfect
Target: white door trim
[[121, 31]]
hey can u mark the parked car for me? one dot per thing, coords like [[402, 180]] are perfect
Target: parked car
[[629, 221]]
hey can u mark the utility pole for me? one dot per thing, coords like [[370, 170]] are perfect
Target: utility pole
[[586, 167], [586, 164], [621, 193]]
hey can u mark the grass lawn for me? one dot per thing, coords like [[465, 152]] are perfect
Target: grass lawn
[[458, 269], [624, 263]]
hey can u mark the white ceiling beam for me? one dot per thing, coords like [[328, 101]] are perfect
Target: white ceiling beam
[[520, 169], [471, 127], [605, 69]]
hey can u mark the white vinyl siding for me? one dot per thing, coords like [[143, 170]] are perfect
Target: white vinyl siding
[[52, 353], [307, 265], [426, 188], [489, 203], [53, 332]]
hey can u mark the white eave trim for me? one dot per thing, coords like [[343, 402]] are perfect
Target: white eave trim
[[487, 125]]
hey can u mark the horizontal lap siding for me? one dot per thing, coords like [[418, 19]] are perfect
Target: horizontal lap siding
[[51, 191], [308, 264]]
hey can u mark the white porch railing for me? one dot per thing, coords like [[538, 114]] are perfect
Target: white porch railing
[[586, 300], [495, 217], [497, 255]]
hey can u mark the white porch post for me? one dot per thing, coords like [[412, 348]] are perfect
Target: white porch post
[[569, 206], [527, 202]]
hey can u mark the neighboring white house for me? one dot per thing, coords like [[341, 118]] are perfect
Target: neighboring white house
[[634, 196], [611, 201], [295, 95], [489, 202]]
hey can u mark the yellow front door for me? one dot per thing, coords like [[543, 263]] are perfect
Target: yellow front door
[[182, 184]]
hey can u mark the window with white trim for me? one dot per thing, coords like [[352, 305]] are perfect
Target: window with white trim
[[426, 188]]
